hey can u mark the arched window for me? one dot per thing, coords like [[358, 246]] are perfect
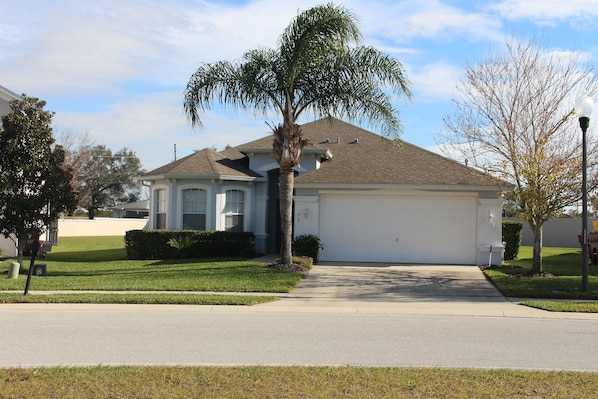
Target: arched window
[[194, 209], [234, 210], [160, 208]]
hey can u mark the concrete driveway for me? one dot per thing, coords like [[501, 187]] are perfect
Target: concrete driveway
[[388, 288]]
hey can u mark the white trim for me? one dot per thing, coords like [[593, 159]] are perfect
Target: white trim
[[436, 187], [395, 192]]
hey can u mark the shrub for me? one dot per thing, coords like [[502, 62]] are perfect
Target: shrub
[[183, 244], [305, 261], [174, 244], [307, 245], [511, 236]]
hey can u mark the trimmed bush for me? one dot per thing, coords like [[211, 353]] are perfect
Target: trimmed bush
[[511, 236], [307, 245], [178, 244]]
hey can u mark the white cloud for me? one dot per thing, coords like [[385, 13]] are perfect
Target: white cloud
[[436, 80], [151, 126], [404, 20], [549, 12], [118, 68]]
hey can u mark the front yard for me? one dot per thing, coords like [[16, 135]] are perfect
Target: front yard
[[563, 282], [99, 264]]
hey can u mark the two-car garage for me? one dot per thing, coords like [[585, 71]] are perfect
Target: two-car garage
[[414, 227]]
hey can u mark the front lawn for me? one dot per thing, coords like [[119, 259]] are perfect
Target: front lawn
[[100, 264], [564, 264]]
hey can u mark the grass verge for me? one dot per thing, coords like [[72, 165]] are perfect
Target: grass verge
[[158, 299], [293, 382], [563, 306], [100, 264]]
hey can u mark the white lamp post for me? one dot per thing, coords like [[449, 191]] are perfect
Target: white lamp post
[[583, 109]]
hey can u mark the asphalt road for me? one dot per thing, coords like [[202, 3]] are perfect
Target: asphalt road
[[179, 335]]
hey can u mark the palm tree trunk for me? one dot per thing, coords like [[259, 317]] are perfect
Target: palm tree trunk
[[285, 183]]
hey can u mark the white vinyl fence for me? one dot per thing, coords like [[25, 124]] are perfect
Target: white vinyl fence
[[558, 232]]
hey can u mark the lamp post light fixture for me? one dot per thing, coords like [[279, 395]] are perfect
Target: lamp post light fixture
[[583, 109]]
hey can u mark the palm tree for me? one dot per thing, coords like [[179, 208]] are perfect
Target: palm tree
[[314, 70]]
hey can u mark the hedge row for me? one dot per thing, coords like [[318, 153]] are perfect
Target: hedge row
[[178, 244], [512, 233]]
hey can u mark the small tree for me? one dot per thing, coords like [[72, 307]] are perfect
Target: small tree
[[34, 183], [514, 120], [107, 178]]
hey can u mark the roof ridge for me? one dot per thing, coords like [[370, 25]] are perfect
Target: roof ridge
[[209, 155]]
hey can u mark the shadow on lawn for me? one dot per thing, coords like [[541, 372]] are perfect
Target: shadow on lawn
[[176, 266], [97, 255], [560, 264]]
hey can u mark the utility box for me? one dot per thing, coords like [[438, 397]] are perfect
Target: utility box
[[13, 270]]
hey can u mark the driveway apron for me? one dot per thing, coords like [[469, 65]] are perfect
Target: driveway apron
[[391, 288]]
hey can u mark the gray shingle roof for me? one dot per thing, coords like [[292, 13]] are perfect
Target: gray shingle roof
[[362, 157], [208, 164], [359, 157]]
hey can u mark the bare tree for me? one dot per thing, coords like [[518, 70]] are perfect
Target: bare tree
[[78, 156], [514, 119]]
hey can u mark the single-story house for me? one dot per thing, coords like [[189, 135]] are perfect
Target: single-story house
[[367, 199], [7, 245], [136, 209]]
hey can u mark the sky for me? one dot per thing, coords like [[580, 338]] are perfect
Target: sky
[[116, 69]]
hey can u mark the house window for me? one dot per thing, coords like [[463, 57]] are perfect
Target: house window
[[194, 209], [233, 210], [160, 206]]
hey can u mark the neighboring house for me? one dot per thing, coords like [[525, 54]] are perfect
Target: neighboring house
[[7, 246], [138, 209], [6, 96], [366, 199]]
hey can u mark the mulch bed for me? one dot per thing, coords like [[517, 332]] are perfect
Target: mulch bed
[[292, 267]]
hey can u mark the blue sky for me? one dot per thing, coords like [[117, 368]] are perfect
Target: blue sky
[[116, 69]]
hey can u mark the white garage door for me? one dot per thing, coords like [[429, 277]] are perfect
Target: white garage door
[[398, 228]]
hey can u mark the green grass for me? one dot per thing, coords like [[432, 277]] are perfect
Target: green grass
[[293, 382], [563, 306], [100, 264], [161, 298], [565, 283]]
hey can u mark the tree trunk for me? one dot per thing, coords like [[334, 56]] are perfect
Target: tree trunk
[[537, 255], [288, 145], [20, 244], [285, 183]]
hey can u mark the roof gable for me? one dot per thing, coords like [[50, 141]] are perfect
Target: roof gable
[[206, 163]]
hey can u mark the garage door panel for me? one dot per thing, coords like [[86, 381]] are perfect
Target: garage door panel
[[398, 228]]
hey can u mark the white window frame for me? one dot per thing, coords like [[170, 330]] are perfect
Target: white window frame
[[228, 213], [181, 200], [156, 206], [246, 207]]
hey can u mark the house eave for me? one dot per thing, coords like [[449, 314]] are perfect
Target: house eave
[[419, 187], [9, 95], [203, 177], [324, 152]]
